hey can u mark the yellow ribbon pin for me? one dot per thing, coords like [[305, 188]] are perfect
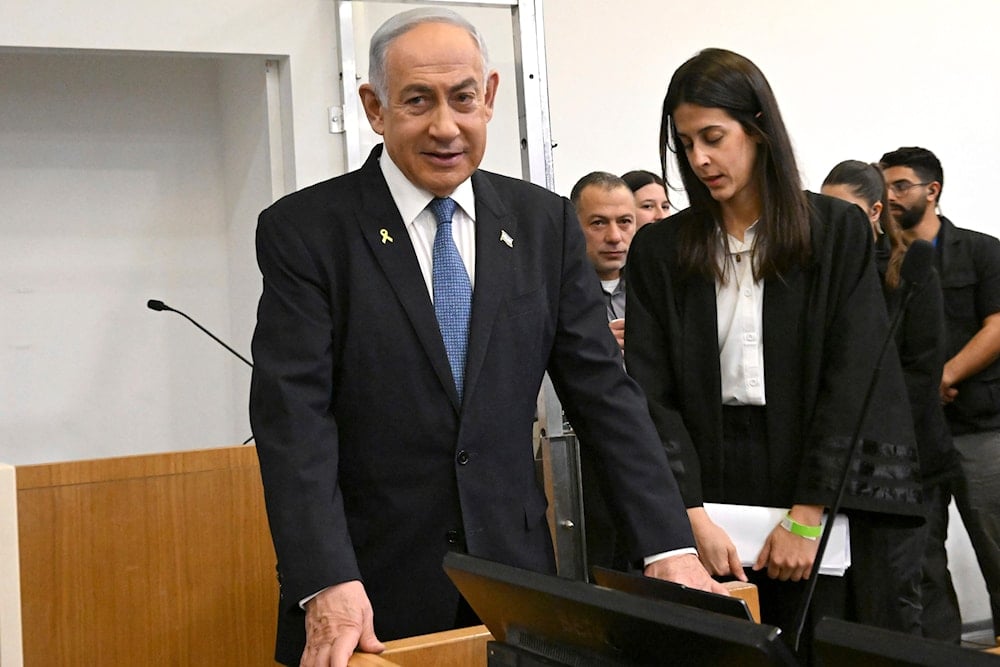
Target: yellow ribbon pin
[[385, 236]]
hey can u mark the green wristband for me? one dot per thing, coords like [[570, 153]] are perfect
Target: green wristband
[[800, 529]]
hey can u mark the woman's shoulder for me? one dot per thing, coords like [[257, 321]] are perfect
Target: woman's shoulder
[[837, 220], [826, 209]]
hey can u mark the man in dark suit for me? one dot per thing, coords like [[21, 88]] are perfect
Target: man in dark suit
[[390, 425]]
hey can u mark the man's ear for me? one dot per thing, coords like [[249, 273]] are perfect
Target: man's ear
[[373, 108], [933, 191], [490, 94]]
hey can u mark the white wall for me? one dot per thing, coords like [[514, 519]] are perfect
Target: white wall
[[129, 170], [854, 79], [303, 30]]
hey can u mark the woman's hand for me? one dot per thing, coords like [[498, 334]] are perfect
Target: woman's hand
[[787, 556], [716, 551]]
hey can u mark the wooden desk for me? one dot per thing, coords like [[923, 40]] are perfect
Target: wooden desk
[[165, 559], [466, 647]]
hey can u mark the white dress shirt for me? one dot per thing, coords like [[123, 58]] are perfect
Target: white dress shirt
[[740, 308], [421, 224]]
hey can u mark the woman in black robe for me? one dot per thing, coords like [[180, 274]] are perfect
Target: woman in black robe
[[753, 326], [920, 342]]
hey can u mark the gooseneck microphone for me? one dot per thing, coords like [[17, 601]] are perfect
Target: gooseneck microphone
[[154, 304], [916, 268], [157, 305]]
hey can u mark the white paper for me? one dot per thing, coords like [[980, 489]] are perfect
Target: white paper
[[749, 525]]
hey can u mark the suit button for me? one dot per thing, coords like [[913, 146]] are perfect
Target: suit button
[[452, 536], [463, 457]]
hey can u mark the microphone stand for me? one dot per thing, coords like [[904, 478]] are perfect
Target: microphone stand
[[154, 304], [910, 288], [157, 305]]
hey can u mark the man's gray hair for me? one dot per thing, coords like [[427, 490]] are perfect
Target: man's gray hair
[[403, 23]]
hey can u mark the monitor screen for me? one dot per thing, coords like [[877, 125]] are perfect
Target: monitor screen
[[572, 622], [837, 642]]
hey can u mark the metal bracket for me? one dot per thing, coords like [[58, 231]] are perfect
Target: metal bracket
[[336, 118], [561, 469]]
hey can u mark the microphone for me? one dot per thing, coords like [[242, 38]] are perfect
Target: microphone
[[155, 304], [917, 263], [915, 270]]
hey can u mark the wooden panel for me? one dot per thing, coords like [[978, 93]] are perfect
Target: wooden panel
[[465, 647], [748, 593], [163, 559]]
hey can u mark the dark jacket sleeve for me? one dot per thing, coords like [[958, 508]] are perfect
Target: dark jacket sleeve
[[290, 410], [652, 333], [607, 409], [849, 318]]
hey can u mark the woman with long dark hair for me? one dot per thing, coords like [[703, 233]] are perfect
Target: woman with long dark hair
[[921, 344], [752, 317]]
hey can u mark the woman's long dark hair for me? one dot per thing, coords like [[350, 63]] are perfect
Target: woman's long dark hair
[[720, 79], [867, 182]]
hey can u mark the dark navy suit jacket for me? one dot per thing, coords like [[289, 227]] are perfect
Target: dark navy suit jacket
[[372, 469]]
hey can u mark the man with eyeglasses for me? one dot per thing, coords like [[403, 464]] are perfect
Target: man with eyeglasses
[[969, 265]]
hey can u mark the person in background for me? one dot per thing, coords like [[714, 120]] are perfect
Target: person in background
[[968, 263], [409, 312], [919, 558], [606, 210], [607, 214], [650, 193], [751, 318]]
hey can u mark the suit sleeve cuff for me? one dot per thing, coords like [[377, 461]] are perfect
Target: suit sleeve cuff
[[304, 601], [649, 560]]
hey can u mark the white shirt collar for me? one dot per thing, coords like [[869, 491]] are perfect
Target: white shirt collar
[[411, 200]]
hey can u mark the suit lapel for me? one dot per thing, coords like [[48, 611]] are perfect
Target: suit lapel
[[385, 233], [784, 358], [701, 362], [495, 227]]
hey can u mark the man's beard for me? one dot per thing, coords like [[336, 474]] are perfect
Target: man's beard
[[908, 218]]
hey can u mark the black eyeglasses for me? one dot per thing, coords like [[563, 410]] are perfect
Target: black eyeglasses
[[900, 188]]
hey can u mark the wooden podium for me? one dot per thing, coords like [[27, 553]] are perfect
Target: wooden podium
[[161, 559]]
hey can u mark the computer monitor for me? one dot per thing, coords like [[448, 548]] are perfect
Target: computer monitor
[[668, 591], [539, 619], [837, 643]]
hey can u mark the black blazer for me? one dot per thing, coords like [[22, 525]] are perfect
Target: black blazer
[[372, 469], [822, 326]]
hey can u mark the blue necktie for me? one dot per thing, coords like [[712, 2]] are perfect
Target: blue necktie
[[452, 291]]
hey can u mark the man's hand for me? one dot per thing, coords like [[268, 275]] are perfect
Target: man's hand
[[715, 549], [947, 389], [339, 619], [618, 329], [687, 570]]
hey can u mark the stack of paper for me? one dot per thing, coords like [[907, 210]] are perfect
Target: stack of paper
[[749, 525]]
